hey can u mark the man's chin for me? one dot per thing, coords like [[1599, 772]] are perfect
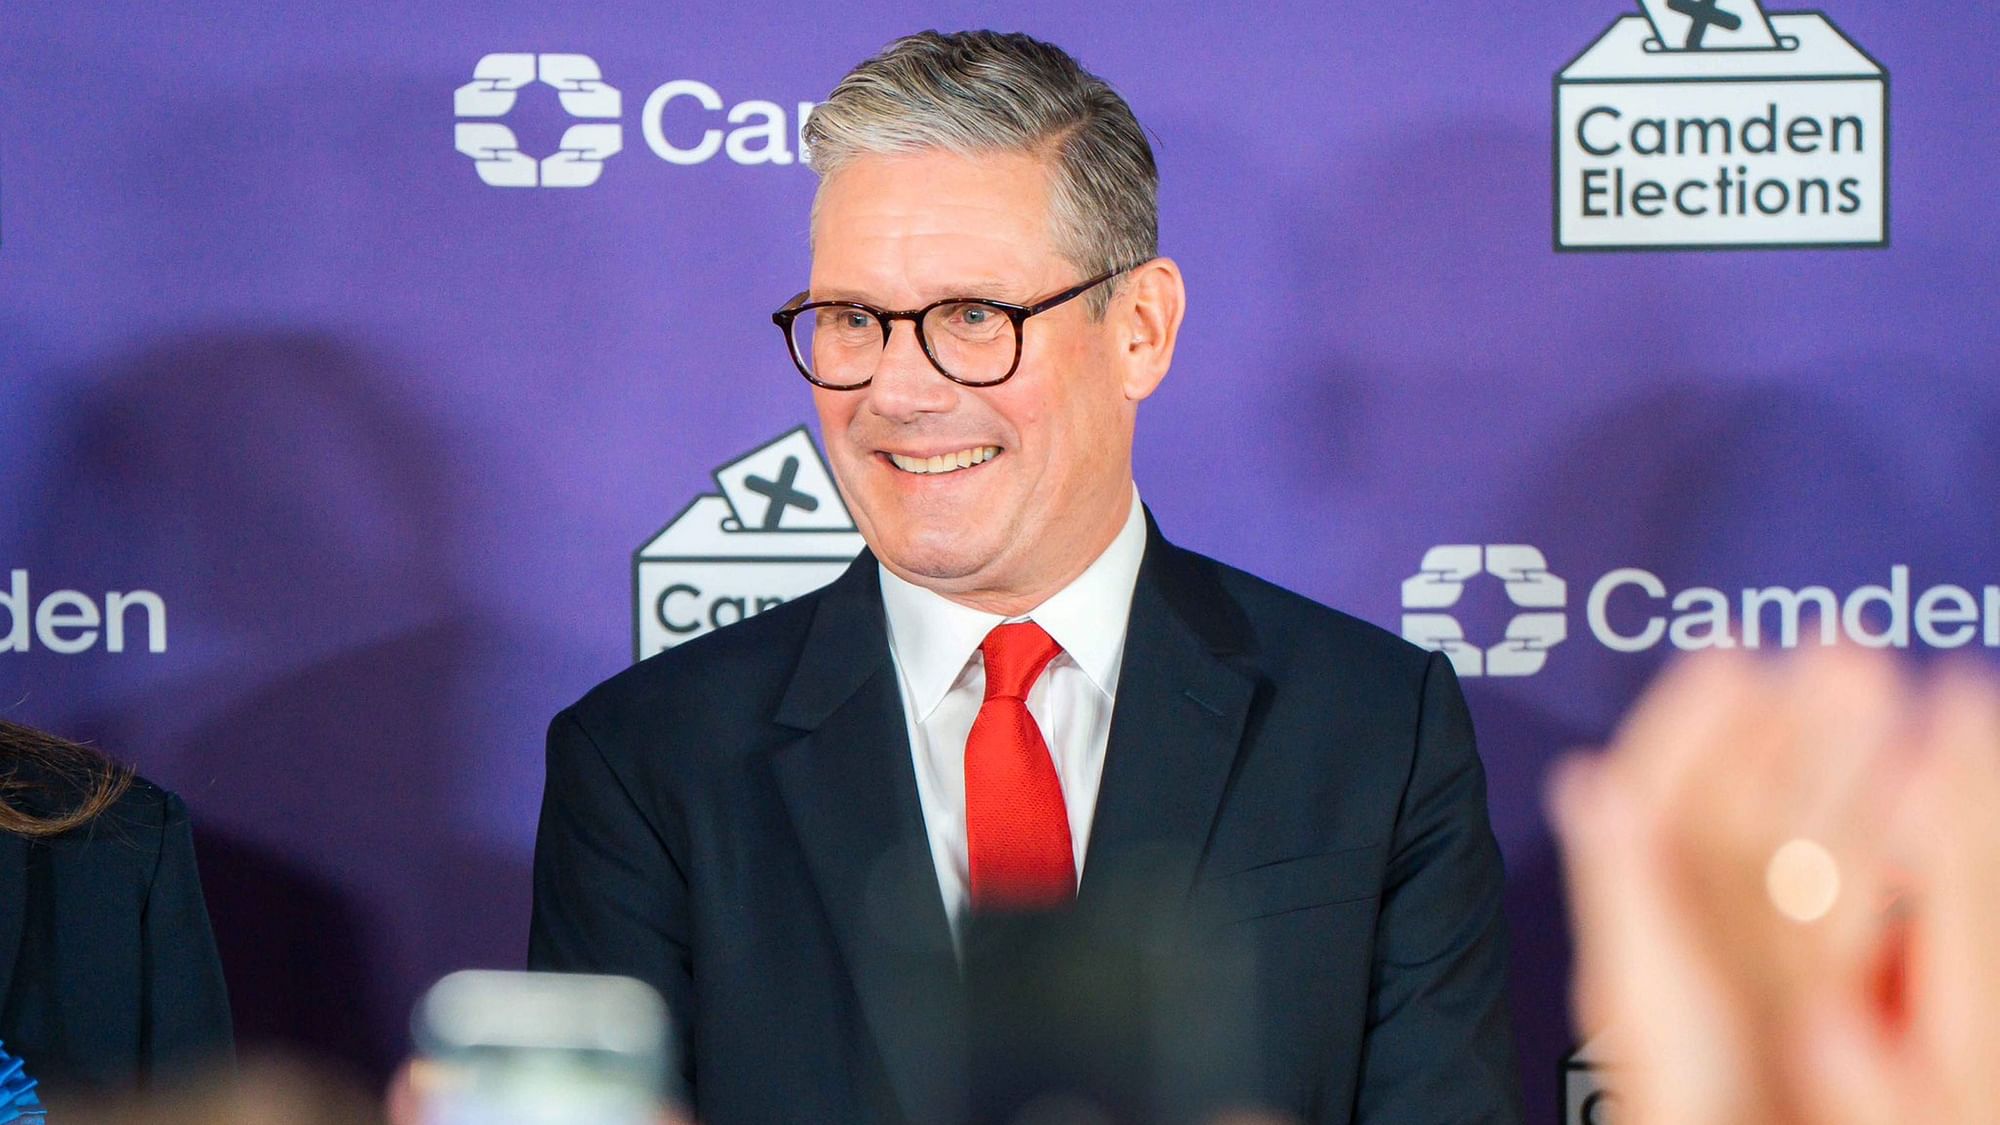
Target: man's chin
[[939, 563], [937, 572]]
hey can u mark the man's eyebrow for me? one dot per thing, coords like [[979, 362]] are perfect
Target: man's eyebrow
[[855, 295], [991, 288]]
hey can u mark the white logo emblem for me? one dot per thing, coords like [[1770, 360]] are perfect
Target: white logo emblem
[[1539, 595], [1708, 124], [775, 529], [578, 160]]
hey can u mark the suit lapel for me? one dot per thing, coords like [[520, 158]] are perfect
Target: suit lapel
[[13, 893], [850, 788], [1175, 729]]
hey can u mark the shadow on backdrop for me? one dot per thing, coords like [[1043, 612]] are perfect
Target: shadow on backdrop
[[325, 671]]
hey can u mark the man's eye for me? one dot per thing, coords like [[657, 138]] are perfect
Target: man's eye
[[971, 319], [856, 320]]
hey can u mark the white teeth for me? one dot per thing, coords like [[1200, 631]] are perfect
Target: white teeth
[[946, 462]]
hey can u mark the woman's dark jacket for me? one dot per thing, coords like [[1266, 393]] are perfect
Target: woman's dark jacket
[[109, 978]]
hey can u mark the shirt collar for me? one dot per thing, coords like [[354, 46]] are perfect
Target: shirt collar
[[934, 637]]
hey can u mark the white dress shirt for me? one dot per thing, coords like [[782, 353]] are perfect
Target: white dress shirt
[[935, 642]]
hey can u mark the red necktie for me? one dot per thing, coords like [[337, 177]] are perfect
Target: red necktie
[[1016, 826]]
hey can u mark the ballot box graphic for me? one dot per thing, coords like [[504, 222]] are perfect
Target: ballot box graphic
[[776, 528], [1710, 125]]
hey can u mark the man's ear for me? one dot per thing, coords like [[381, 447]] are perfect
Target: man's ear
[[1148, 319]]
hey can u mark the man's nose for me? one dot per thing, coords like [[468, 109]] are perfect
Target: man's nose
[[905, 384]]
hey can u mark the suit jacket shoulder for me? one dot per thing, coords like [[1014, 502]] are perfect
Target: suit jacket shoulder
[[1294, 645], [699, 696], [1287, 623], [125, 838]]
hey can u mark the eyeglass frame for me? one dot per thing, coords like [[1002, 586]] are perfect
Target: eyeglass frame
[[1019, 314]]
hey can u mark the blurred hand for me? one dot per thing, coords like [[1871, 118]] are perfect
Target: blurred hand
[[1934, 1054], [403, 1104], [416, 1080], [1713, 1006]]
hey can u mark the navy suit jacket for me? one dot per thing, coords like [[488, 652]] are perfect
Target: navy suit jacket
[[736, 821], [109, 978]]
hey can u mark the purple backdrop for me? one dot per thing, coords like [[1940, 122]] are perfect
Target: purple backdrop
[[382, 438]]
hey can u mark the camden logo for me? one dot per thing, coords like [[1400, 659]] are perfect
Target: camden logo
[[1440, 581], [1631, 609], [774, 528], [579, 160], [677, 122], [1708, 124]]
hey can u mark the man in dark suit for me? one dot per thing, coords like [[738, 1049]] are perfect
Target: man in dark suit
[[1021, 701]]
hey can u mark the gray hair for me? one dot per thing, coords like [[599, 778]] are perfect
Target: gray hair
[[975, 92]]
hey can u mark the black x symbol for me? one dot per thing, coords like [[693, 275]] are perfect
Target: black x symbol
[[782, 494], [1704, 13]]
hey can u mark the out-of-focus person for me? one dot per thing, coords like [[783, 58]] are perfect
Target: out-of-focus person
[[267, 1091], [109, 979], [1785, 880]]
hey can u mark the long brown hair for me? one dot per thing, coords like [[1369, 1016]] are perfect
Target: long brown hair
[[81, 777]]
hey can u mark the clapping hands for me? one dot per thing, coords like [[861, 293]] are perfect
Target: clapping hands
[[1785, 880]]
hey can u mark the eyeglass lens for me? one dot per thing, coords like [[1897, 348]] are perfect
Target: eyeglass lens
[[841, 345]]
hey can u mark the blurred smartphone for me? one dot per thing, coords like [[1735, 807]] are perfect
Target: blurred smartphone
[[506, 1048]]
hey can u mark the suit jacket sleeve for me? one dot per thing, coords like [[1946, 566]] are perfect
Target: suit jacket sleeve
[[1440, 1046], [185, 1021], [609, 896]]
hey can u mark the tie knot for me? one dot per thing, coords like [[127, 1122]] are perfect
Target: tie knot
[[1015, 656]]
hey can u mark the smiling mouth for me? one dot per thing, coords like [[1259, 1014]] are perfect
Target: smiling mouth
[[946, 462]]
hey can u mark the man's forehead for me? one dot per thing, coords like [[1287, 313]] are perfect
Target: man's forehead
[[938, 221], [933, 189]]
